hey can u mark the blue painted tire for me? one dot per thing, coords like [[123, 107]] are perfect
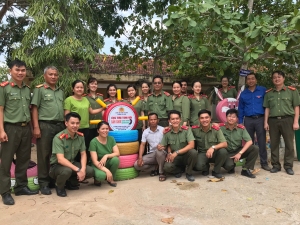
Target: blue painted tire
[[124, 135], [126, 174]]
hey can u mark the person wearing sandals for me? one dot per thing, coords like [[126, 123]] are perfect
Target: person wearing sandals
[[105, 155], [153, 136]]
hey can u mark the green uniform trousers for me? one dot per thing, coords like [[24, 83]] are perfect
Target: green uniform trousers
[[219, 157], [188, 159], [61, 174], [44, 149], [284, 127], [111, 164], [250, 155], [19, 143]]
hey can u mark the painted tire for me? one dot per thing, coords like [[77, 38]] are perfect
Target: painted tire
[[33, 183], [126, 174], [31, 172], [128, 148], [241, 162], [223, 106], [127, 160], [124, 135]]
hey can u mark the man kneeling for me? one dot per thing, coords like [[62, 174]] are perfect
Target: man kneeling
[[66, 144], [236, 133]]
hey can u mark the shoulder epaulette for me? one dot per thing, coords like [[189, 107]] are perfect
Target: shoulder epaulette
[[39, 86], [79, 133], [191, 96], [231, 87], [62, 136], [27, 86], [221, 124], [99, 94], [269, 90], [291, 88], [166, 130], [141, 97], [13, 84], [3, 84], [107, 99], [215, 127], [185, 127], [241, 126], [84, 95], [195, 126], [204, 96], [167, 93]]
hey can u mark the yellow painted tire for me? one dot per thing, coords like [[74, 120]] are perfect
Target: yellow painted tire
[[128, 148]]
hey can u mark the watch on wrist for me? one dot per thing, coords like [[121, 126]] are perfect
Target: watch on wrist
[[78, 170], [241, 152], [213, 147], [177, 152]]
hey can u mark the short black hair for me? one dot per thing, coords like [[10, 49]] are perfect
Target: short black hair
[[194, 82], [153, 114], [183, 80], [131, 85], [251, 73], [173, 112], [100, 124], [279, 73], [224, 76], [76, 82], [232, 111], [176, 82], [72, 114], [202, 111], [17, 63], [158, 76]]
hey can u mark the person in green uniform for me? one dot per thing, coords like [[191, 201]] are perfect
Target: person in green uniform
[[145, 94], [15, 132], [64, 169], [281, 118], [226, 91], [211, 145], [139, 107], [111, 91], [180, 142], [46, 122], [236, 133], [105, 156], [197, 102], [181, 103], [92, 96], [159, 101]]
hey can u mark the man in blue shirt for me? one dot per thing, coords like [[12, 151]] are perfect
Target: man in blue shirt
[[251, 113]]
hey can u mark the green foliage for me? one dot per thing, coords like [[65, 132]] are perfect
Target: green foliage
[[3, 73]]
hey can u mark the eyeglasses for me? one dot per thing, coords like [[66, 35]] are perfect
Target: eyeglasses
[[156, 82]]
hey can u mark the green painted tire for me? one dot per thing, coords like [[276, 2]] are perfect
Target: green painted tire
[[33, 184], [241, 162], [126, 174]]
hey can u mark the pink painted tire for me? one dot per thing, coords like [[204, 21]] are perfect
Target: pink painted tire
[[223, 106], [127, 161], [31, 172]]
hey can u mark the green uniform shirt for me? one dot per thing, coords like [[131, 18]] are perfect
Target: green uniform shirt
[[64, 144], [101, 149], [160, 104], [139, 107], [281, 103], [196, 105], [205, 140], [144, 101], [235, 137], [47, 100], [108, 101], [177, 140], [182, 104], [15, 101], [94, 105], [231, 93]]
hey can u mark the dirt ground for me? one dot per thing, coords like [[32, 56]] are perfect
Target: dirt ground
[[267, 199]]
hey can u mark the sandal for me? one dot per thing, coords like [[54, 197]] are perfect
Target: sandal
[[162, 177], [154, 173]]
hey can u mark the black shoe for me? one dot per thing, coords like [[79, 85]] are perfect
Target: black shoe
[[289, 171], [247, 173], [45, 190], [190, 177], [112, 184], [178, 175], [205, 173], [232, 170], [61, 192], [275, 170], [97, 183], [26, 191], [266, 167], [70, 186], [7, 199], [217, 175]]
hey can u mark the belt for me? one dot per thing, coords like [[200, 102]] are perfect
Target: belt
[[254, 117], [51, 121], [21, 124], [279, 117]]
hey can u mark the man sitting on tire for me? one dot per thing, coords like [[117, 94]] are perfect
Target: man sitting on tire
[[152, 135], [63, 168]]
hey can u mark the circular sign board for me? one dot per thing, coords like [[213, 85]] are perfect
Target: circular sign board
[[223, 106], [121, 116]]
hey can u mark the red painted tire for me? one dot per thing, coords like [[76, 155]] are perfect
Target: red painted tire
[[121, 116], [223, 106], [31, 172], [127, 161]]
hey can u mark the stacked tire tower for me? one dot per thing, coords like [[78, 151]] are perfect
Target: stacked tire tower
[[123, 119]]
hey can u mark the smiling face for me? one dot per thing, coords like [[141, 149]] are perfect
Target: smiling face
[[51, 77], [78, 89], [197, 88], [93, 86], [145, 88], [251, 80], [157, 84], [131, 92], [18, 73], [204, 119], [176, 89], [232, 119], [224, 82], [174, 120], [72, 125], [278, 80], [103, 130], [112, 92]]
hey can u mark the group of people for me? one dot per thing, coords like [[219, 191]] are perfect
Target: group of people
[[178, 137]]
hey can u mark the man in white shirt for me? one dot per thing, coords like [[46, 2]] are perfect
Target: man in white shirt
[[152, 135]]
